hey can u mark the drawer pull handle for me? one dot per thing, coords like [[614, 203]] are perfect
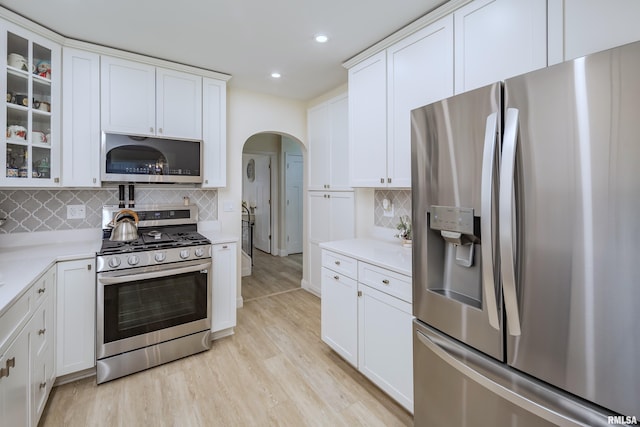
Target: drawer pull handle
[[43, 385], [337, 262], [225, 247], [42, 331], [336, 277], [41, 291], [385, 281]]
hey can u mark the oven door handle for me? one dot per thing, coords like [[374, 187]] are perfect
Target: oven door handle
[[152, 275]]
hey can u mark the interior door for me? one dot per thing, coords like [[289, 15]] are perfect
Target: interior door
[[262, 199], [293, 179]]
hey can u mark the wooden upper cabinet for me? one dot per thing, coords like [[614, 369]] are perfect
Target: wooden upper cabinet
[[140, 99], [498, 39]]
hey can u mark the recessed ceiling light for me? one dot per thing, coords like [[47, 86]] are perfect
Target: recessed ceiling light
[[276, 75], [321, 38]]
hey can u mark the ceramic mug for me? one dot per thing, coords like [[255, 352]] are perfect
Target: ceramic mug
[[23, 172], [17, 132], [38, 137], [21, 99], [18, 61], [42, 105]]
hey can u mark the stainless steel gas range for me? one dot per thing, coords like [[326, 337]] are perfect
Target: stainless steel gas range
[[154, 292]]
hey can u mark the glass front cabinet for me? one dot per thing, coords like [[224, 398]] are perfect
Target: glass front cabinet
[[31, 74]]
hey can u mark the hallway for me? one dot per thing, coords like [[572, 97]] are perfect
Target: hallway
[[272, 275]]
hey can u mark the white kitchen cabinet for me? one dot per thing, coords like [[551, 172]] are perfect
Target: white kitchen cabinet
[[368, 122], [41, 331], [178, 104], [385, 346], [419, 72], [498, 39], [214, 133], [331, 217], [76, 316], [128, 97], [383, 90], [26, 353], [81, 118], [14, 382], [31, 73], [339, 312], [140, 99], [366, 317], [328, 145], [224, 290], [581, 27]]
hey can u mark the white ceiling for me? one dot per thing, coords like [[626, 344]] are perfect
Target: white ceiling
[[248, 39]]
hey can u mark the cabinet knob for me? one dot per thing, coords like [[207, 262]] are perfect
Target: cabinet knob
[[337, 262], [359, 293], [381, 180], [151, 130], [159, 130], [385, 281], [43, 385], [95, 180], [41, 291], [56, 180], [42, 331], [336, 277], [89, 267], [225, 247], [389, 180]]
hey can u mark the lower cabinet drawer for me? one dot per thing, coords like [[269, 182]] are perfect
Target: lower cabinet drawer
[[339, 263], [386, 281]]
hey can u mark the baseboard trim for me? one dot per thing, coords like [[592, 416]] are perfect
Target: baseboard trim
[[239, 302], [75, 376], [306, 285], [221, 334]]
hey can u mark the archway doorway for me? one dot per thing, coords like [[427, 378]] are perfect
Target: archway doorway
[[272, 222]]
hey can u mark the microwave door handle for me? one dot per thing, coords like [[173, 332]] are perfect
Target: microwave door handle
[[486, 218], [152, 275], [506, 220]]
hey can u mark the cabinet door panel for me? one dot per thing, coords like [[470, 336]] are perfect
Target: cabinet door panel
[[14, 389], [214, 133], [76, 316], [341, 217], [319, 147], [385, 346], [368, 122], [339, 137], [179, 104], [319, 214], [339, 314], [128, 91], [223, 293], [420, 71], [81, 119], [497, 39]]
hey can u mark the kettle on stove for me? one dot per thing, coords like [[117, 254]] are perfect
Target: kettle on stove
[[125, 226]]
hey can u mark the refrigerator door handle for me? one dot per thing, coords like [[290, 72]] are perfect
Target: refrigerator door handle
[[507, 258], [486, 218], [530, 398]]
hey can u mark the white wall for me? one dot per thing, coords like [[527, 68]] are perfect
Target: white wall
[[249, 113]]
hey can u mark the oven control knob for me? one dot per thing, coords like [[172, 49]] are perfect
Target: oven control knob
[[114, 262], [133, 260], [184, 254], [199, 251], [160, 256]]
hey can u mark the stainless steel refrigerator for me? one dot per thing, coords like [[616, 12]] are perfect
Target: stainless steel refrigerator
[[526, 249]]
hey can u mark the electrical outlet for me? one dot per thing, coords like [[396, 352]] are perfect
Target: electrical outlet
[[76, 211]]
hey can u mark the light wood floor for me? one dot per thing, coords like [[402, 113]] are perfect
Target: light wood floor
[[271, 275], [275, 371]]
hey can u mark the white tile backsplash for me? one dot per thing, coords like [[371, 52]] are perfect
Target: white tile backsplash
[[46, 210]]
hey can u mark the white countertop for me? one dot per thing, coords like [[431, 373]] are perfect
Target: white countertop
[[392, 256], [25, 256]]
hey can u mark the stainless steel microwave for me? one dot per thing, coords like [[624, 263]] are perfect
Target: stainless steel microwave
[[126, 158]]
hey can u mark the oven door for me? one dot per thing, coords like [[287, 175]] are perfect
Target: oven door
[[143, 306]]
